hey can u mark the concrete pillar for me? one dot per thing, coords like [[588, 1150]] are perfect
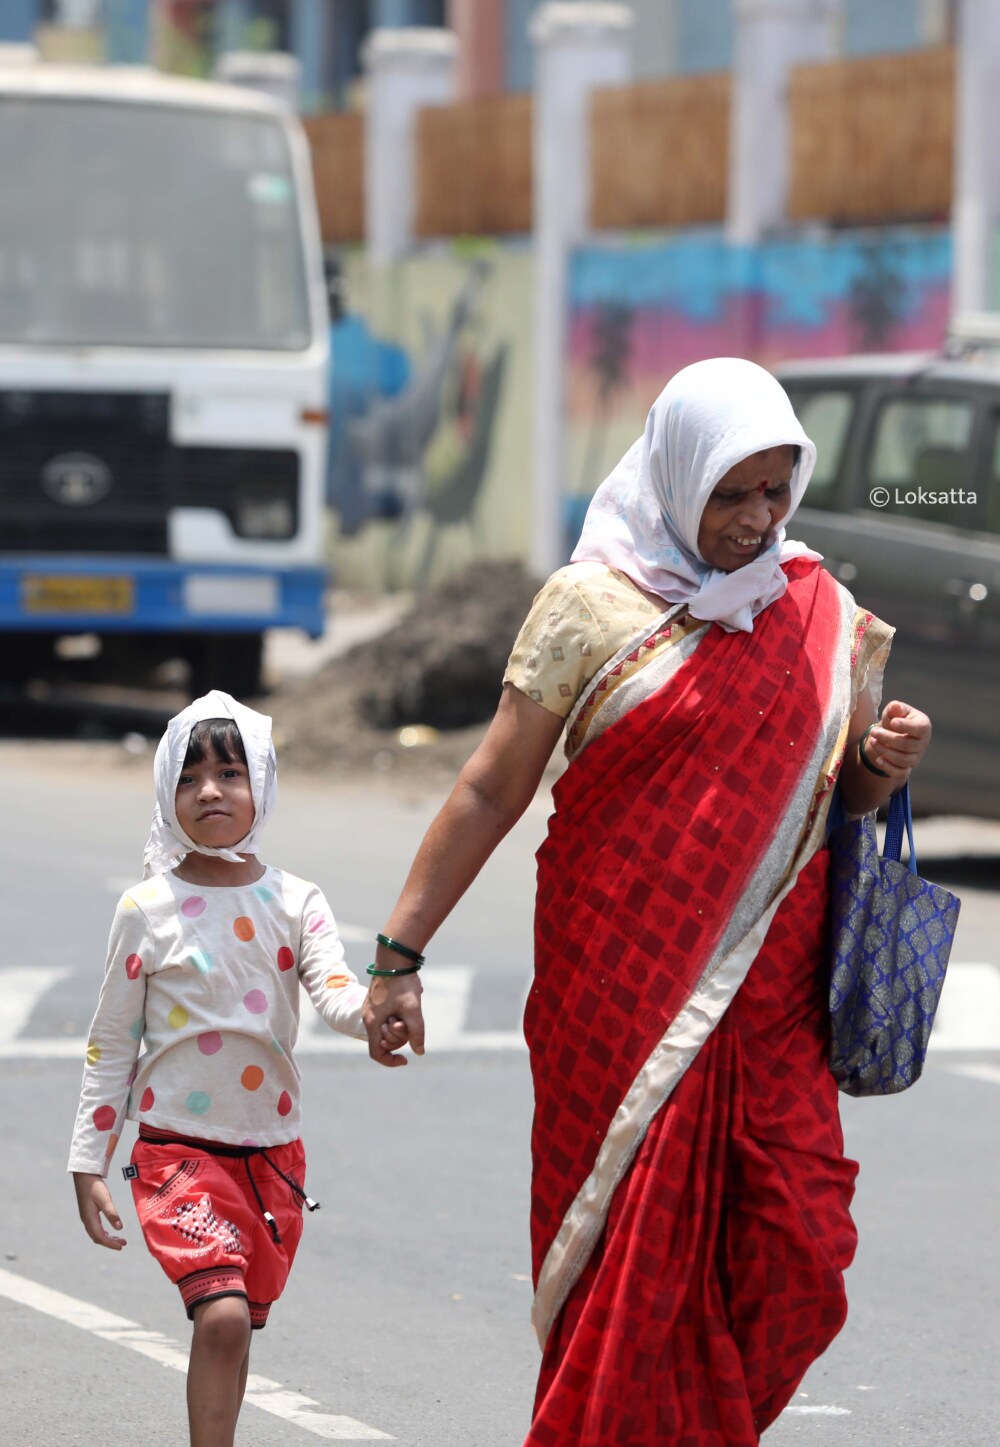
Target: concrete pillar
[[479, 27], [406, 70], [772, 36], [579, 47], [272, 71], [976, 205]]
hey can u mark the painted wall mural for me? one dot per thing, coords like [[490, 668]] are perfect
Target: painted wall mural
[[428, 458], [432, 387], [640, 310]]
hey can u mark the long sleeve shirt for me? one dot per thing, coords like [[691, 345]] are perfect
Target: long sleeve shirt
[[204, 982]]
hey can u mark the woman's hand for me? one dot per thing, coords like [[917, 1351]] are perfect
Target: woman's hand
[[895, 745], [899, 740], [393, 1017], [94, 1200]]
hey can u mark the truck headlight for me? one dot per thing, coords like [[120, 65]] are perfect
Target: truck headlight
[[264, 517]]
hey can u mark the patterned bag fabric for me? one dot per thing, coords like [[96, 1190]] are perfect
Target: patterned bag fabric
[[891, 935]]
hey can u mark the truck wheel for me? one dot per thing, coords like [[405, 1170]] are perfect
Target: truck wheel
[[229, 661]]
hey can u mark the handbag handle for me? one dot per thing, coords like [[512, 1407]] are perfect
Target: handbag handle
[[900, 815]]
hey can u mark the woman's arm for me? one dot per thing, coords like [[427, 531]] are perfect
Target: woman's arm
[[896, 744], [491, 793]]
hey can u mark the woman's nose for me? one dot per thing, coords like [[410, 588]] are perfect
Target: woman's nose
[[755, 513]]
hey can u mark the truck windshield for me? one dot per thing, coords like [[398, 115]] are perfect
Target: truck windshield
[[148, 225]]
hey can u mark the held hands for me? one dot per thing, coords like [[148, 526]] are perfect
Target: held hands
[[94, 1201], [899, 740], [393, 1017]]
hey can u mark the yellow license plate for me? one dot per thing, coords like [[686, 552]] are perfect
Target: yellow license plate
[[63, 593]]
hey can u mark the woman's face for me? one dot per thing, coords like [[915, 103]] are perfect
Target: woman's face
[[748, 503]]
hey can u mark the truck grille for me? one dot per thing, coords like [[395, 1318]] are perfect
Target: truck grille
[[82, 472]]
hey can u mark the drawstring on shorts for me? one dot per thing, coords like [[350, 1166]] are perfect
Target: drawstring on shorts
[[214, 1148], [246, 1152]]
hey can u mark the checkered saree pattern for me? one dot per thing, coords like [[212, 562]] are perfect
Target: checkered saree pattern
[[718, 1276]]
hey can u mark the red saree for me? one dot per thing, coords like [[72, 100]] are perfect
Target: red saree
[[690, 1196]]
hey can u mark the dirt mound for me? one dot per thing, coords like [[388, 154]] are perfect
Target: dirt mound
[[419, 696]]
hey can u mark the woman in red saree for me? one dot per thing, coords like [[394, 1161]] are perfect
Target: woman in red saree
[[690, 1197]]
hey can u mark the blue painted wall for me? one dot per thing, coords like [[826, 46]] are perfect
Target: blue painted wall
[[871, 26], [704, 35], [18, 19]]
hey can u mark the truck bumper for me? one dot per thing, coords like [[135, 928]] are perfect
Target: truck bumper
[[114, 595]]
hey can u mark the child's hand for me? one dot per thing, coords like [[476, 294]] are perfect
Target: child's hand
[[94, 1201], [392, 1036], [392, 1017]]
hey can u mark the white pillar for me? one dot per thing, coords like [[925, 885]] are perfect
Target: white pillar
[[579, 47], [772, 36], [406, 70], [976, 204]]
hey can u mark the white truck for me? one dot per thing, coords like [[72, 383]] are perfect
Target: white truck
[[164, 347]]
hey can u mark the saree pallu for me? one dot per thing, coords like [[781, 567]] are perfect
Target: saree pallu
[[690, 1197]]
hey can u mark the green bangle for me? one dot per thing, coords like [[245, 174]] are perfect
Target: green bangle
[[391, 974], [861, 755], [399, 949]]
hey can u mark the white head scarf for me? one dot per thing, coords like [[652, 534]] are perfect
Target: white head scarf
[[167, 843], [644, 518]]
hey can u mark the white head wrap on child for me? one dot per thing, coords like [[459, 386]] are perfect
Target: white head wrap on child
[[167, 843], [645, 517]]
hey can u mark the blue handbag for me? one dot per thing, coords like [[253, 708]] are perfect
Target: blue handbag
[[890, 938]]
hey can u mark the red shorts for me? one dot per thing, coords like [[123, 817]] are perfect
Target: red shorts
[[202, 1220]]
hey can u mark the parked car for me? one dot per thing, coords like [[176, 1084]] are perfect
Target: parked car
[[904, 505]]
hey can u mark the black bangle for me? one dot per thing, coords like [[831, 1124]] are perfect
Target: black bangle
[[399, 949], [861, 755], [391, 974]]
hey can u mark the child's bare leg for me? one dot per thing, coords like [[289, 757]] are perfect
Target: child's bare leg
[[241, 1386], [220, 1353]]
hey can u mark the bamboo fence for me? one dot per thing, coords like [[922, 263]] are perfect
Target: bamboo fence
[[872, 138], [659, 152], [337, 143], [474, 168]]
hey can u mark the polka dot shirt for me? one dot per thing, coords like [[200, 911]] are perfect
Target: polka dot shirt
[[204, 981]]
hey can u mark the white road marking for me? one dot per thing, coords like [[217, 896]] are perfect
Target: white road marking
[[261, 1391], [990, 1073], [447, 989], [21, 988], [968, 1016], [817, 1411]]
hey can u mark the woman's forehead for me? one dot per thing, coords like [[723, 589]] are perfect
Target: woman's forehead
[[772, 459]]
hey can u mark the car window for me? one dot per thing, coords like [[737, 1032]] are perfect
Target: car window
[[826, 418], [919, 460], [993, 500]]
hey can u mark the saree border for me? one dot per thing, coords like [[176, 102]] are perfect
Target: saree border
[[799, 836], [610, 693]]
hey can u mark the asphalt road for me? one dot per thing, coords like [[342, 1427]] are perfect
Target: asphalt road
[[407, 1313]]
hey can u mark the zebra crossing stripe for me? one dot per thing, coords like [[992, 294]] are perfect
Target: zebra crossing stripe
[[968, 1019], [261, 1392]]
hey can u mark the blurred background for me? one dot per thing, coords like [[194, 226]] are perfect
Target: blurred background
[[374, 290]]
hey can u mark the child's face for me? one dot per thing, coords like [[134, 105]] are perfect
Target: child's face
[[213, 802]]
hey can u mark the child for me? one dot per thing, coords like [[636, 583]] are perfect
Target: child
[[204, 965]]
